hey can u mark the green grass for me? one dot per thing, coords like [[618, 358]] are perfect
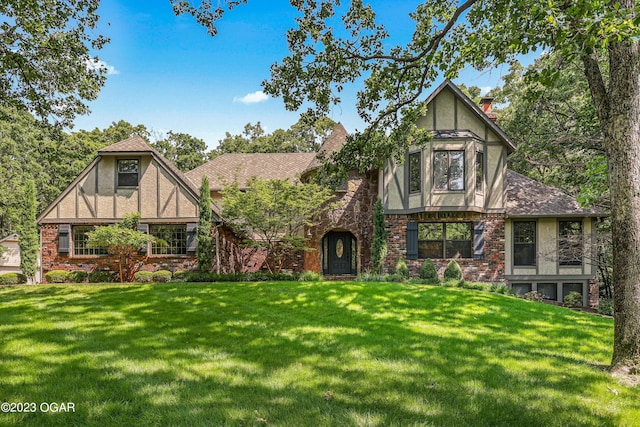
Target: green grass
[[304, 354]]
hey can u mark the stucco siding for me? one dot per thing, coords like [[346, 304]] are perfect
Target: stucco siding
[[445, 106], [547, 246]]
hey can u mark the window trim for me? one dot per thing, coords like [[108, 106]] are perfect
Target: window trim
[[410, 157], [445, 240], [580, 241], [480, 172], [159, 251], [535, 243], [118, 173], [449, 156], [88, 252]]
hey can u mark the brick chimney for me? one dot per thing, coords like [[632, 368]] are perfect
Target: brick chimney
[[485, 104]]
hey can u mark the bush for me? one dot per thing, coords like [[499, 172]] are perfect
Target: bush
[[180, 276], [77, 276], [100, 276], [533, 296], [143, 276], [606, 306], [369, 276], [573, 299], [428, 271], [162, 276], [453, 271], [401, 269], [57, 276], [310, 276], [12, 279]]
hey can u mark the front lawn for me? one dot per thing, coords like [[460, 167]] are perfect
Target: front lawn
[[304, 354]]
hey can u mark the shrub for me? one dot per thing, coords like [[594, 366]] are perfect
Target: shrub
[[453, 271], [143, 276], [401, 269], [57, 276], [162, 276], [12, 279], [77, 276], [369, 276], [573, 299], [310, 276], [606, 306], [534, 296], [428, 271], [180, 276], [100, 276]]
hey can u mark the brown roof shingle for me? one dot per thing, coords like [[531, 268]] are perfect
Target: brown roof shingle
[[527, 197], [334, 143]]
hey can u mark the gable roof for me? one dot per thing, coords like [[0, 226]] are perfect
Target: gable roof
[[527, 197], [10, 238], [135, 145], [332, 144], [243, 166], [477, 111]]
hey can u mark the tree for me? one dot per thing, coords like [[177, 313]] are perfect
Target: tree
[[28, 231], [273, 214], [205, 226], [379, 250], [326, 54], [123, 240], [183, 150], [46, 66]]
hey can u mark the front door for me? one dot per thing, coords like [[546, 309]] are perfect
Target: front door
[[339, 253]]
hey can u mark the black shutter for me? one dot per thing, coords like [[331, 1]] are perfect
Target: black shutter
[[192, 242], [478, 240], [143, 228], [63, 239], [412, 240]]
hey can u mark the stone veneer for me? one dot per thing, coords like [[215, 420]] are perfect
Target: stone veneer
[[488, 269], [353, 213]]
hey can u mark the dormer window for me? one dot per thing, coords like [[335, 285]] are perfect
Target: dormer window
[[448, 170], [128, 172]]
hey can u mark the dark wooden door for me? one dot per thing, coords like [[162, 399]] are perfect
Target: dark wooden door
[[339, 253]]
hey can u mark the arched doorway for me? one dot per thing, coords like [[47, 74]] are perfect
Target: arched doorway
[[339, 253]]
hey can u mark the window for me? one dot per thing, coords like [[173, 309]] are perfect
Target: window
[[128, 173], [173, 239], [448, 170], [479, 171], [81, 242], [445, 240], [521, 288], [415, 174], [524, 243], [548, 290], [570, 242], [567, 288]]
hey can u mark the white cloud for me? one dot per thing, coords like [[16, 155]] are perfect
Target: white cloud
[[484, 90], [97, 64], [252, 98]]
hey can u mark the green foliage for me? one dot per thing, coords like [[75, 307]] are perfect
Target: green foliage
[[401, 269], [143, 276], [47, 67], [606, 306], [100, 276], [57, 276], [204, 250], [310, 276], [273, 214], [162, 276], [185, 151], [534, 296], [453, 271], [242, 277], [573, 299], [379, 251], [28, 231], [12, 279], [123, 240], [180, 276], [77, 276], [428, 271]]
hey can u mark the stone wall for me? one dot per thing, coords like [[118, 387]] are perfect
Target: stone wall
[[353, 213], [488, 269]]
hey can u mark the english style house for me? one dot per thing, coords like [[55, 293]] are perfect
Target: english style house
[[452, 199]]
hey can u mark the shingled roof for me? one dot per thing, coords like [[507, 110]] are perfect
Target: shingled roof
[[527, 197], [243, 166], [334, 143]]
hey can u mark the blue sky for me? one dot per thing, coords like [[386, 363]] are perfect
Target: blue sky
[[167, 73]]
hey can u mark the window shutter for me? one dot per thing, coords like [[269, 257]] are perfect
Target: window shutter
[[143, 228], [478, 240], [63, 238], [192, 242], [412, 240]]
